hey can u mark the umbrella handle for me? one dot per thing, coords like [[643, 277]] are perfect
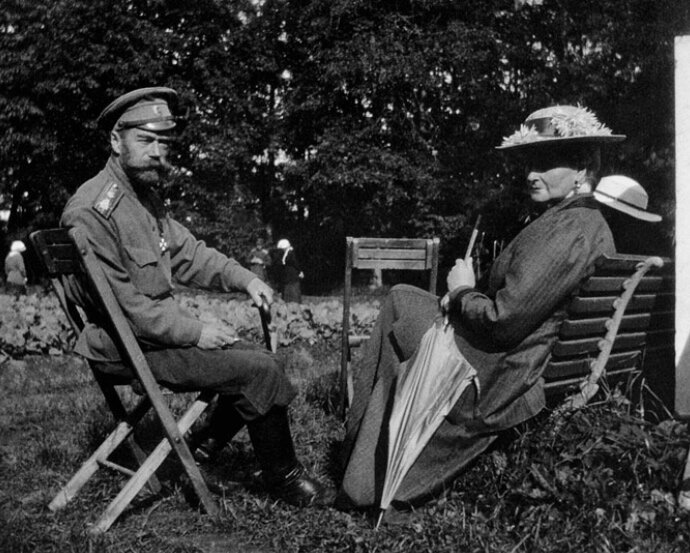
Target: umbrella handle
[[265, 316], [473, 238]]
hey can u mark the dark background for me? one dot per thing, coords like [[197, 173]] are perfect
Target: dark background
[[314, 120]]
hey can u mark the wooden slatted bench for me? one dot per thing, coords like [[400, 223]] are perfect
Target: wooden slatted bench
[[622, 314], [620, 320]]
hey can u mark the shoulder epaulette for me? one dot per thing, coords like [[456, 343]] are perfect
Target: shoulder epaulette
[[108, 199]]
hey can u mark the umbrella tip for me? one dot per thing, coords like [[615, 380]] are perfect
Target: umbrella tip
[[378, 522]]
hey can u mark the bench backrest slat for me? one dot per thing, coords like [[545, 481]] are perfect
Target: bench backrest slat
[[579, 366], [614, 284], [624, 340], [646, 322], [578, 328], [592, 305]]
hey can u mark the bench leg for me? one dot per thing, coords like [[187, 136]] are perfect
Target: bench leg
[[684, 494]]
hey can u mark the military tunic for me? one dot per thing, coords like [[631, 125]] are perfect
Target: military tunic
[[142, 249]]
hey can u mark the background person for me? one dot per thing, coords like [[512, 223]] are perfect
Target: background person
[[624, 206], [15, 271], [259, 260], [142, 249], [505, 331], [292, 274]]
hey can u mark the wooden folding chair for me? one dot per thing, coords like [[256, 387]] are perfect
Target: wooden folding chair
[[66, 253], [411, 254]]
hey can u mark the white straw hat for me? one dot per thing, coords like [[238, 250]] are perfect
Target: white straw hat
[[626, 195], [17, 246]]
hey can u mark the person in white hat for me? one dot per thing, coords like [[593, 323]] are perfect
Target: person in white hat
[[15, 270], [624, 205], [625, 195], [291, 272]]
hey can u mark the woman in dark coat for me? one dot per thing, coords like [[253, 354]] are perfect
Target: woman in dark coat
[[15, 270], [292, 274], [505, 331]]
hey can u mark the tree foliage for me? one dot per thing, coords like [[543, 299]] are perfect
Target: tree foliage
[[325, 118]]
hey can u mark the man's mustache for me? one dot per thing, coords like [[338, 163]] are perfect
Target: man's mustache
[[161, 167]]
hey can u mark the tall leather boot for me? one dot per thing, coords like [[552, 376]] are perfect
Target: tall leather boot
[[221, 426], [283, 475]]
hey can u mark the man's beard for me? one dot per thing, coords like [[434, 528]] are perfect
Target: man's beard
[[150, 174], [145, 176]]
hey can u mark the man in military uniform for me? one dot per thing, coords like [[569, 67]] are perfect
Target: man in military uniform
[[141, 249]]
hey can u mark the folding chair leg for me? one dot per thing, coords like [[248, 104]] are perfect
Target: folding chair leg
[[122, 432], [347, 387], [114, 401], [139, 454], [89, 468], [350, 388], [151, 464]]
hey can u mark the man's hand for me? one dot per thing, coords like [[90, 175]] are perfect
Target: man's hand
[[215, 337], [258, 290], [462, 274]]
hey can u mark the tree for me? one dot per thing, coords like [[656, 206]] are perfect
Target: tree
[[62, 62], [393, 108], [325, 118]]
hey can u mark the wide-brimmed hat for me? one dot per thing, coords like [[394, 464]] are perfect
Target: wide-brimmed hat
[[557, 125], [627, 195], [144, 108]]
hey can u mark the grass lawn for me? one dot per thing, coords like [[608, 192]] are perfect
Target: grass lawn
[[601, 480]]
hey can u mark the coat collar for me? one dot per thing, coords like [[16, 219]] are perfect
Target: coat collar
[[149, 198], [116, 173], [586, 201]]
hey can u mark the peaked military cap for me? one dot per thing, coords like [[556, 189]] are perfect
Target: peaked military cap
[[143, 108]]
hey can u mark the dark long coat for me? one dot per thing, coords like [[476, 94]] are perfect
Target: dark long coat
[[505, 332]]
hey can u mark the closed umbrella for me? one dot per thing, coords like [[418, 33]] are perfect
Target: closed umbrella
[[428, 386]]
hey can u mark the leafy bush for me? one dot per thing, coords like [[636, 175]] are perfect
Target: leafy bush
[[36, 323], [33, 324]]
